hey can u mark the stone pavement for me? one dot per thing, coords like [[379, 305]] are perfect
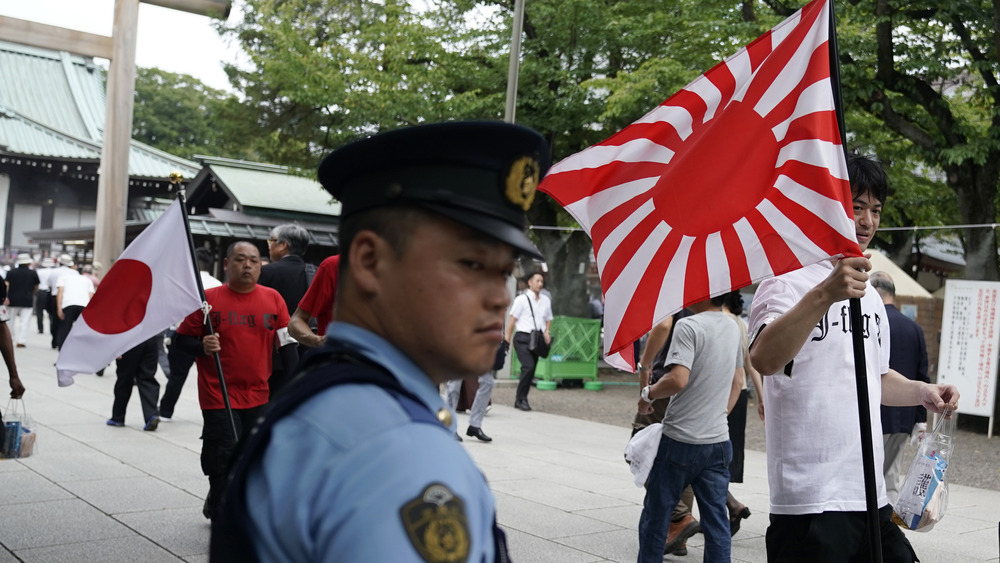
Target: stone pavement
[[564, 494]]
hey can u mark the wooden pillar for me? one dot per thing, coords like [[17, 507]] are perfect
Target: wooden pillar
[[112, 185]]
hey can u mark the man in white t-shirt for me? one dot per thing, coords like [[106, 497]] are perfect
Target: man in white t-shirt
[[73, 292], [802, 343], [532, 310]]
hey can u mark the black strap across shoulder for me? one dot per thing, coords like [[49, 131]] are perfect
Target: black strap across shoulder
[[320, 369]]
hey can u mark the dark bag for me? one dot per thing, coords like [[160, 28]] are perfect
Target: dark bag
[[536, 340], [501, 356], [537, 344]]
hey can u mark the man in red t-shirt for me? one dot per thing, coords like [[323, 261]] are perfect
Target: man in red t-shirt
[[317, 302], [247, 319]]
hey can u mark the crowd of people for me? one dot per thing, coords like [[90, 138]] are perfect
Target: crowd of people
[[365, 405]]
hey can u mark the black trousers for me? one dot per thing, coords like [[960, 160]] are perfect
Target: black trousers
[[138, 367], [217, 444], [833, 537], [54, 321], [41, 305], [180, 364], [70, 314], [738, 436], [528, 363]]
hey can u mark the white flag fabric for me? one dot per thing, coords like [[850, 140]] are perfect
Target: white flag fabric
[[151, 286]]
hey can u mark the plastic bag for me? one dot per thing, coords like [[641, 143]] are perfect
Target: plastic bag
[[19, 435], [924, 495], [641, 450]]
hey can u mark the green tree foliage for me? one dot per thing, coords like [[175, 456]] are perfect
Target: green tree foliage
[[323, 72], [921, 87], [178, 114]]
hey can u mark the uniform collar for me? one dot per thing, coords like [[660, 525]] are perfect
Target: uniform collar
[[380, 351]]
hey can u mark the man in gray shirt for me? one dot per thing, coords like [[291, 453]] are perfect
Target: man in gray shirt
[[704, 378]]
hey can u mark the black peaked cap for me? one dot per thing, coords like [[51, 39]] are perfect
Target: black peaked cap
[[482, 174]]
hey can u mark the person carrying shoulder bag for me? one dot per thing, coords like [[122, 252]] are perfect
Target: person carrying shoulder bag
[[530, 311]]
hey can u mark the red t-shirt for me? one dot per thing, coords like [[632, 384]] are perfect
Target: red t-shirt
[[318, 300], [247, 325]]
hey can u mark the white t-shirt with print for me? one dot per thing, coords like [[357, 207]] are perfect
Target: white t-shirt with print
[[811, 418]]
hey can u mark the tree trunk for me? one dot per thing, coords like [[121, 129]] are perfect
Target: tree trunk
[[567, 254], [975, 187]]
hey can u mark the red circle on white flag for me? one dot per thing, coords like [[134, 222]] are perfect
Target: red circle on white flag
[[687, 194], [120, 305]]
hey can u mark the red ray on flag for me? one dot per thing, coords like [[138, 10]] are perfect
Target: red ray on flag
[[738, 177]]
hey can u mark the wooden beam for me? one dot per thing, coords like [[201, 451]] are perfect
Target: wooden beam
[[26, 32], [112, 184], [218, 9]]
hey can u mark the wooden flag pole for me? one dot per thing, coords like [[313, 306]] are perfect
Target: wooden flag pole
[[857, 337]]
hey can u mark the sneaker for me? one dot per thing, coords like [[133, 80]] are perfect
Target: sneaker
[[113, 422], [166, 419], [152, 423]]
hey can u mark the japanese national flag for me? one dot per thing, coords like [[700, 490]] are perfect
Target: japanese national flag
[[151, 286], [738, 177]]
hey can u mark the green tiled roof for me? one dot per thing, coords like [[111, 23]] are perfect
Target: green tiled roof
[[267, 186], [52, 106]]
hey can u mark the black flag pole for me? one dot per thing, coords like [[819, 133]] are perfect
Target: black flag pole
[[201, 293], [857, 337]]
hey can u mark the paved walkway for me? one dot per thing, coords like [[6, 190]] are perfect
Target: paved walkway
[[564, 494]]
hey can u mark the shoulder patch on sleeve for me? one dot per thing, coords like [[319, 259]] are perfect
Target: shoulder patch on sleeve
[[436, 524]]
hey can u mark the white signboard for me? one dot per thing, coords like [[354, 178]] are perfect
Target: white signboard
[[970, 340]]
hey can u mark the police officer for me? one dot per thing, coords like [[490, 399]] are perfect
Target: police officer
[[369, 470]]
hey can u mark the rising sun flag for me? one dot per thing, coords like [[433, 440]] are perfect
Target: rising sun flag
[[738, 177]]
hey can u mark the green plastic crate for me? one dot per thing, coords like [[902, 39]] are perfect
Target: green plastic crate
[[576, 348]]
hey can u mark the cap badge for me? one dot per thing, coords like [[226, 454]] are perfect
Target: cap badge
[[436, 523], [522, 181]]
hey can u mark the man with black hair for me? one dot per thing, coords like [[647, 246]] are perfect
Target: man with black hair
[[249, 323], [22, 283], [703, 379], [531, 311], [802, 344], [356, 459]]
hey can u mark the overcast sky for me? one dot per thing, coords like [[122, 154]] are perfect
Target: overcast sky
[[167, 39]]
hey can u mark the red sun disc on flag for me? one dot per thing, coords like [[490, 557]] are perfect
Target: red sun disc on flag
[[690, 207], [127, 277]]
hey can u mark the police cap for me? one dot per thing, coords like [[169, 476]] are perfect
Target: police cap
[[482, 174]]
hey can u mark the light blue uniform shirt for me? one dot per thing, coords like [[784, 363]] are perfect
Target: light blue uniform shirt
[[348, 472]]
